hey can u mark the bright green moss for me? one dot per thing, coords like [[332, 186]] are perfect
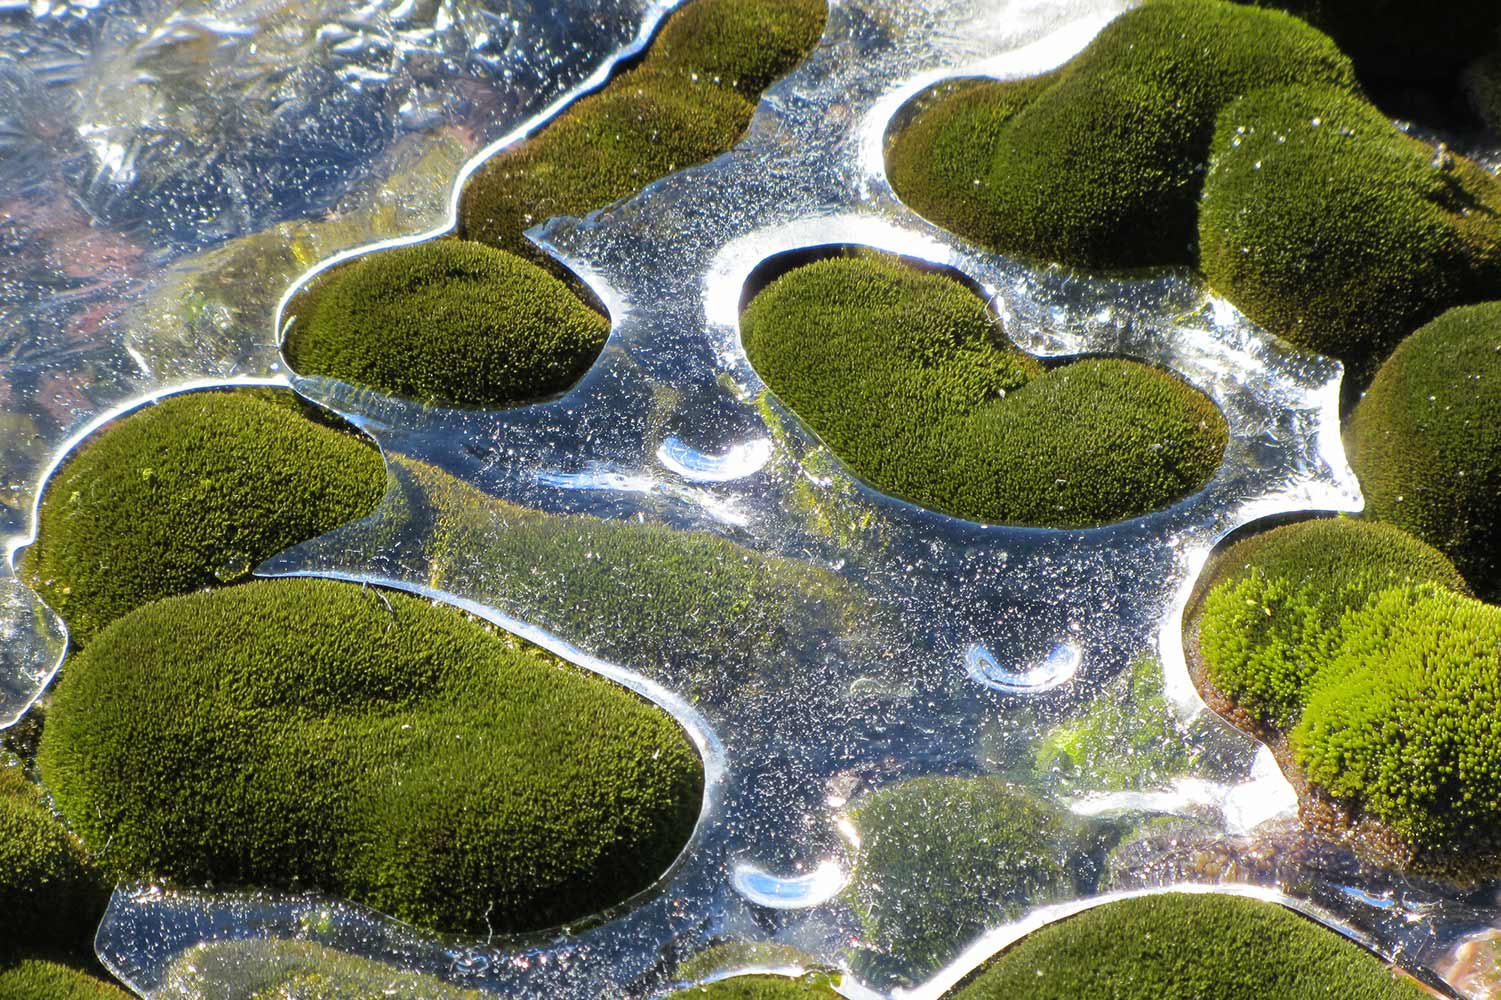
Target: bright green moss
[[687, 102], [34, 979], [1273, 603], [313, 733], [281, 970], [1329, 227], [943, 858], [908, 379], [449, 322], [761, 988], [1426, 440], [51, 895], [1100, 165], [191, 492], [1181, 945]]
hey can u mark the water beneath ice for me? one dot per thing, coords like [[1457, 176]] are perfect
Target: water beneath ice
[[169, 170]]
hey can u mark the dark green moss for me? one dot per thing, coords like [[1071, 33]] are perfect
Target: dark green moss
[[1411, 40], [1100, 164], [1329, 227], [908, 379], [1426, 441], [761, 988], [1482, 83], [449, 322], [942, 858], [687, 102], [1181, 945], [1273, 603], [278, 970], [378, 747], [191, 492], [37, 979]]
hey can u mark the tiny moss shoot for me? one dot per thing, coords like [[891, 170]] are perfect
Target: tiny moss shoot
[[311, 733], [909, 380]]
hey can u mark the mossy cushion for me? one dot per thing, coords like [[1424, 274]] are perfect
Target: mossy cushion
[[760, 988], [375, 746], [447, 322], [1425, 441], [37, 979], [1183, 945], [941, 859], [688, 101], [908, 379], [1101, 167], [1329, 227], [191, 492], [281, 970]]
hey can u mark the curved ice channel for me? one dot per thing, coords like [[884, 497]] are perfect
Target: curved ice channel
[[876, 642]]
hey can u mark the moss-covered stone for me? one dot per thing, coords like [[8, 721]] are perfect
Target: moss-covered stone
[[943, 858], [908, 379], [1329, 227], [279, 970], [1182, 945], [688, 101], [1270, 601], [1426, 441], [375, 746], [191, 492], [39, 979], [1100, 164], [815, 987], [449, 322]]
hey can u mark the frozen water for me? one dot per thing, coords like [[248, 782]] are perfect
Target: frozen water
[[870, 642]]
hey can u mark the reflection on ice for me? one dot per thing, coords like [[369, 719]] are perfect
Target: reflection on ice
[[793, 892], [1056, 668], [740, 460]]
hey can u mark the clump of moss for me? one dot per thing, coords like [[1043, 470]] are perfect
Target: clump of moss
[[906, 376], [449, 322], [40, 979], [191, 492], [816, 987], [1329, 227], [1182, 945], [1272, 605], [319, 734], [1426, 440], [1100, 164], [687, 101], [276, 970], [943, 858]]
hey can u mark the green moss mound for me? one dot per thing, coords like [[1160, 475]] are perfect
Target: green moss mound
[[1182, 945], [191, 492], [372, 745], [1401, 39], [1426, 441], [449, 322], [1329, 227], [1100, 164], [36, 979], [944, 858], [909, 380], [278, 970], [761, 988], [689, 100], [1273, 598]]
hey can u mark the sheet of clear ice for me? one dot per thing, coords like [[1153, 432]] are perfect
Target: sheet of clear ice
[[870, 642]]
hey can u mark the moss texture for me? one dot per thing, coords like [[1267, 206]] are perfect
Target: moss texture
[[38, 979], [908, 379], [1329, 227], [280, 970], [761, 988], [687, 101], [1426, 441], [375, 746], [448, 322], [1101, 166], [191, 492], [943, 858], [1353, 647], [1182, 945]]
